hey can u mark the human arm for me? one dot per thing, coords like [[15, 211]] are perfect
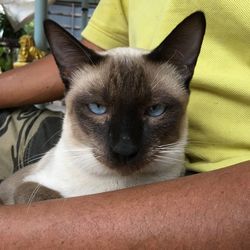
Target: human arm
[[203, 211], [37, 82], [40, 82]]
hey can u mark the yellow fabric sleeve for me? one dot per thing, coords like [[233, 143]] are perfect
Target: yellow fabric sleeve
[[108, 26]]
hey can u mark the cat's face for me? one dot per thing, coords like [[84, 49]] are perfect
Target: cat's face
[[126, 108], [128, 105]]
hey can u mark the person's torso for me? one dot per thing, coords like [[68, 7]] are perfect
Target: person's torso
[[219, 108]]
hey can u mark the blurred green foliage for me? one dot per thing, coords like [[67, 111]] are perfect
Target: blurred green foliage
[[5, 59]]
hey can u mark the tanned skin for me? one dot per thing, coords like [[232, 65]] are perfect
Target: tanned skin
[[37, 82], [202, 211]]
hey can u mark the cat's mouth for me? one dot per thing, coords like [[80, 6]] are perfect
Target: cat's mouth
[[126, 168], [125, 159], [125, 164]]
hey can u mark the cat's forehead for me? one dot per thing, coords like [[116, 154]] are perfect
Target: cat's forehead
[[126, 78], [125, 74]]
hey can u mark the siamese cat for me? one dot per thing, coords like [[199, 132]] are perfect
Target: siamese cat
[[125, 121]]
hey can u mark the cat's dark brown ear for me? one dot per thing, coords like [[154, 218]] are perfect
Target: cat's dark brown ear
[[69, 53], [182, 46]]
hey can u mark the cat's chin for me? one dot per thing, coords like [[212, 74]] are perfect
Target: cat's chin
[[125, 166], [126, 169]]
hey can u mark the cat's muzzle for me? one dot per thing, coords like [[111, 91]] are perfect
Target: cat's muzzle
[[124, 152]]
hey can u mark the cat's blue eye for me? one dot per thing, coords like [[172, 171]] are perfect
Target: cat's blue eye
[[156, 110], [97, 108]]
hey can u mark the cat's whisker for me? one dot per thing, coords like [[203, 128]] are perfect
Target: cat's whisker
[[176, 52], [33, 194], [154, 82], [167, 158], [166, 162], [170, 148], [174, 144], [80, 162], [28, 161], [162, 158], [37, 157], [51, 137], [32, 159], [170, 152], [79, 157], [79, 150]]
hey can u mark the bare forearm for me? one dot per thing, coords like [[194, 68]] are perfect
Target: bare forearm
[[205, 211], [35, 83]]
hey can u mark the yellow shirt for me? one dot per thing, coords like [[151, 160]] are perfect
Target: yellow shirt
[[219, 107]]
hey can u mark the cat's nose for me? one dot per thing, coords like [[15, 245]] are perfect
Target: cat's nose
[[125, 150]]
